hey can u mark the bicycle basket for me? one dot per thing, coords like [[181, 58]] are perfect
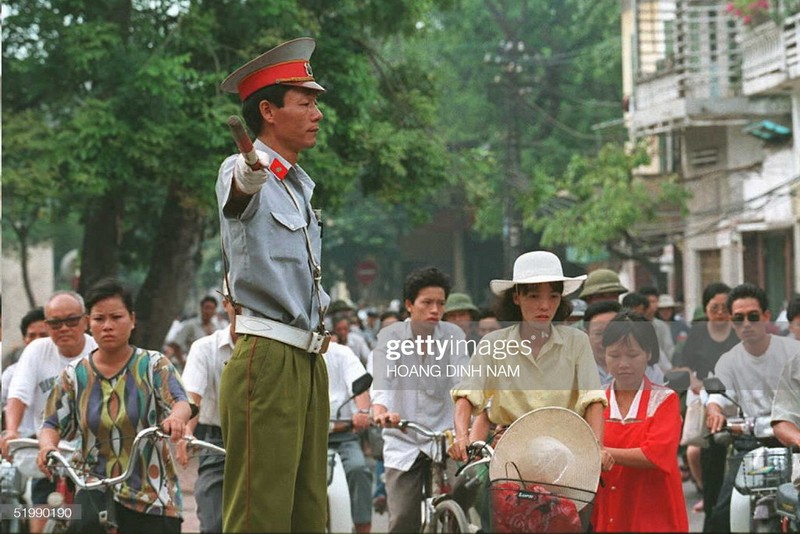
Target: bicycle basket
[[764, 469], [519, 505]]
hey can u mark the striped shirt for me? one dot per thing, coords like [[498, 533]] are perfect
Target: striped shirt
[[107, 413]]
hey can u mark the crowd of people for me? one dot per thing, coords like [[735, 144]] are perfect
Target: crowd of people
[[268, 382], [78, 376]]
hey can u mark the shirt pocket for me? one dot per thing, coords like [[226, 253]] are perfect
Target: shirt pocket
[[286, 237]]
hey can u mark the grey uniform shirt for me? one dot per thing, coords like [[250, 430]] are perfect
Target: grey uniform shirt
[[269, 271]]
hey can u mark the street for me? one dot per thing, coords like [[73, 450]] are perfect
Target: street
[[380, 522]]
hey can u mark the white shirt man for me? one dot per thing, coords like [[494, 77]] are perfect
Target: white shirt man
[[201, 378], [43, 360], [750, 372], [204, 324], [422, 399], [344, 368], [37, 370], [354, 340]]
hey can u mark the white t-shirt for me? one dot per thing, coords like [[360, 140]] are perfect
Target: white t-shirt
[[357, 343], [37, 370], [344, 367], [752, 380], [203, 371], [426, 400]]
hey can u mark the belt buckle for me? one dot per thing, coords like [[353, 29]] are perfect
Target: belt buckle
[[319, 343]]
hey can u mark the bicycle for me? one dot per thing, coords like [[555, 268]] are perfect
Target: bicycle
[[15, 476], [65, 469], [440, 513]]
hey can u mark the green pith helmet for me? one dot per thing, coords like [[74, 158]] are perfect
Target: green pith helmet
[[602, 281], [458, 302]]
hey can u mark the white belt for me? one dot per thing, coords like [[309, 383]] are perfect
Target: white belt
[[296, 337]]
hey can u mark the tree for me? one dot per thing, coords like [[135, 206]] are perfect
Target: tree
[[29, 174], [126, 99], [528, 81], [598, 203]]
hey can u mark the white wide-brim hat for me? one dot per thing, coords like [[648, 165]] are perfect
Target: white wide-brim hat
[[550, 446], [666, 301], [538, 267]]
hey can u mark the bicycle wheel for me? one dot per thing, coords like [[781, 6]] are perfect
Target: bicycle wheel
[[448, 517]]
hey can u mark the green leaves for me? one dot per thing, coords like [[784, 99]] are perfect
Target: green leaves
[[598, 202]]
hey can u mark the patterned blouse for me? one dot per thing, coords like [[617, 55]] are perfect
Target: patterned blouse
[[107, 413]]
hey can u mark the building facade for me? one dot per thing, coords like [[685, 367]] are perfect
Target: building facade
[[716, 101]]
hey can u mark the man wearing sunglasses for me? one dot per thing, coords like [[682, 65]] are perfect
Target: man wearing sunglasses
[[750, 371], [37, 370]]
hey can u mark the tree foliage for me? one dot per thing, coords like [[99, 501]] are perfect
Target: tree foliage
[[124, 98], [113, 112], [523, 84], [598, 202]]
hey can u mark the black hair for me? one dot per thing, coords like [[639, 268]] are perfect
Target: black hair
[[627, 323], [634, 299], [340, 316], [793, 309], [251, 113], [209, 298], [422, 278], [748, 291], [389, 313], [107, 288], [485, 313], [712, 290], [598, 308], [507, 311], [648, 290], [33, 316]]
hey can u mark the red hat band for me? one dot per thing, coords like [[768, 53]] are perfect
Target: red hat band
[[288, 72]]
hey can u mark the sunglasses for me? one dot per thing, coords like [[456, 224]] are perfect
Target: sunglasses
[[71, 322], [752, 316]]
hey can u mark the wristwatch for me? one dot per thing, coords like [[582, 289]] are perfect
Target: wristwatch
[[364, 410]]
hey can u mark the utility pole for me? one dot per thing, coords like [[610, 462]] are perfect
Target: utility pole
[[511, 57]]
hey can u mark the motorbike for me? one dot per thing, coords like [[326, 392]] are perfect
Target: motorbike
[[339, 516], [787, 504], [763, 470]]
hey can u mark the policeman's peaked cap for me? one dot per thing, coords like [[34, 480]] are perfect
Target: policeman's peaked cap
[[286, 64]]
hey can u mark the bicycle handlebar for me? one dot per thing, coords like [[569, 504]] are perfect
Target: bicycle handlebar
[[17, 444], [55, 458], [422, 430]]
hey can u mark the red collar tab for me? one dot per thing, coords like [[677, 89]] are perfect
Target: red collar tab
[[287, 72], [278, 169]]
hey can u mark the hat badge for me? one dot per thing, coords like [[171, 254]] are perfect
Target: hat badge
[[308, 70]]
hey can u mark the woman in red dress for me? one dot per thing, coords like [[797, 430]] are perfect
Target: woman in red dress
[[643, 491]]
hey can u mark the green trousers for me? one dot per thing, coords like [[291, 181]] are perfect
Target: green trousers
[[274, 412]]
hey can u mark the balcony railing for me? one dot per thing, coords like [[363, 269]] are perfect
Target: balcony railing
[[699, 60], [791, 39], [771, 56]]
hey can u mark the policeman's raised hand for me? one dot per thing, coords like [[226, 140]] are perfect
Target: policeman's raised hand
[[249, 179]]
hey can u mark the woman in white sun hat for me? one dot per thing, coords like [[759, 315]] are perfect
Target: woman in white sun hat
[[535, 363]]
